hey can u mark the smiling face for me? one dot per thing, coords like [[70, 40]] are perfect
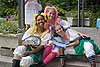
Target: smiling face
[[59, 30], [51, 14], [40, 21]]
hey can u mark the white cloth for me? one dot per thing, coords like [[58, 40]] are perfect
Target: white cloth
[[88, 49], [72, 34], [18, 52], [65, 24], [45, 38], [26, 61], [58, 42], [26, 35], [31, 7]]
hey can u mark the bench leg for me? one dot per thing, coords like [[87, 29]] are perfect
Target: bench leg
[[62, 62], [93, 64], [92, 61], [62, 57], [16, 63]]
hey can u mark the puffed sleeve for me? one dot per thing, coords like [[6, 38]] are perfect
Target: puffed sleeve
[[65, 24], [28, 33], [73, 35]]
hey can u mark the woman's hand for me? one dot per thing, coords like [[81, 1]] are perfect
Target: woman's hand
[[37, 49], [49, 44], [25, 43], [26, 53], [76, 42], [83, 35]]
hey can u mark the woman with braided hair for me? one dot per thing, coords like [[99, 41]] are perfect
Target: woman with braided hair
[[75, 44]]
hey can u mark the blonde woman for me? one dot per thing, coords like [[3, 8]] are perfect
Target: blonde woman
[[52, 20]]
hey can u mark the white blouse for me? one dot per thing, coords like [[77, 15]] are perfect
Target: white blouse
[[72, 35]]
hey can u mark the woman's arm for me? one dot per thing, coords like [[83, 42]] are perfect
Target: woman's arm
[[37, 49], [34, 50], [82, 34], [76, 42], [25, 43]]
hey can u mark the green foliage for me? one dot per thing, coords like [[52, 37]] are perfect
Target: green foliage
[[8, 27], [63, 6], [8, 7], [70, 8]]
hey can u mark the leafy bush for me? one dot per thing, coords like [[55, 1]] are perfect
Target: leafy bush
[[8, 27], [8, 7]]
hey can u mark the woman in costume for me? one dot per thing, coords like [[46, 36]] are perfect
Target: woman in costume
[[53, 19], [78, 45], [26, 55]]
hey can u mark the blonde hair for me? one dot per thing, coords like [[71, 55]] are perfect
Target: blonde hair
[[48, 8], [32, 30]]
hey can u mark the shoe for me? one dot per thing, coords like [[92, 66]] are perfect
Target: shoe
[[43, 65], [16, 63]]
